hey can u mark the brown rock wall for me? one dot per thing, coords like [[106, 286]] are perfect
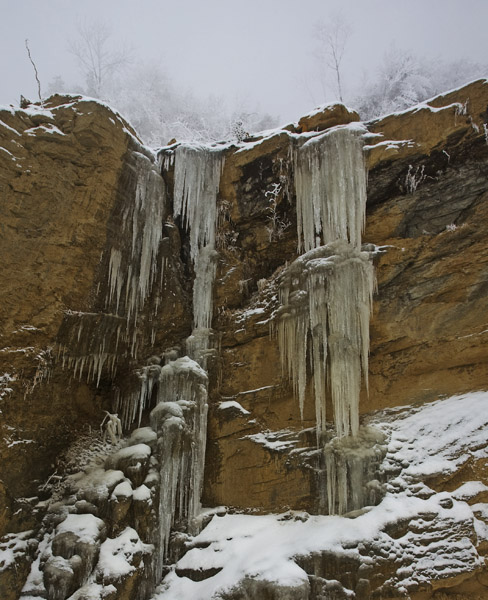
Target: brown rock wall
[[58, 185]]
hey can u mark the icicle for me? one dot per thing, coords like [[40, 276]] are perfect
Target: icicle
[[134, 264], [326, 296], [330, 183]]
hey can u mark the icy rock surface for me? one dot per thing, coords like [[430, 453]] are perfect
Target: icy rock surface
[[326, 300], [330, 183]]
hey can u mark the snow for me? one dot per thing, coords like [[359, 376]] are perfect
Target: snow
[[143, 435], [122, 490], [243, 316], [96, 484], [469, 490], [453, 428], [253, 391], [142, 494], [275, 440], [91, 591], [117, 555], [233, 404], [51, 129], [262, 547], [86, 527], [13, 545], [9, 128], [134, 452]]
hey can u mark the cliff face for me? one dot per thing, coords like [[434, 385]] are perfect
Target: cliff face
[[79, 331]]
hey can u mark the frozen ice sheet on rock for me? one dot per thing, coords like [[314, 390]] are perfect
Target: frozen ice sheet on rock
[[352, 464]]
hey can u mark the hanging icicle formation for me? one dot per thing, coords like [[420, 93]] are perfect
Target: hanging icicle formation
[[326, 298], [180, 420], [133, 264], [326, 294], [330, 183], [197, 179], [91, 342]]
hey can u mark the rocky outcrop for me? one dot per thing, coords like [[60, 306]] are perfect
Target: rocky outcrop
[[83, 202]]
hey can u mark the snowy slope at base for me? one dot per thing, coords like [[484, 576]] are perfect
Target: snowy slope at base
[[429, 439]]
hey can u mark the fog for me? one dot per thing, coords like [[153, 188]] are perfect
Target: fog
[[253, 52]]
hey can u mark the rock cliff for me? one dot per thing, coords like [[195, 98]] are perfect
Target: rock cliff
[[96, 304]]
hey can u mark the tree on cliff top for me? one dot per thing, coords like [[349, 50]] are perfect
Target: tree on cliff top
[[331, 38]]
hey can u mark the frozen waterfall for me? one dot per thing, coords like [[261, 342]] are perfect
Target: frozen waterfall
[[133, 265]]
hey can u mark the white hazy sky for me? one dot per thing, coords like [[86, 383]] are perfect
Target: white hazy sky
[[256, 50]]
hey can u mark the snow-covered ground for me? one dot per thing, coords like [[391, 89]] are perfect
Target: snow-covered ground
[[423, 441]]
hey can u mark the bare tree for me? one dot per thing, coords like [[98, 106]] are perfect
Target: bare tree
[[331, 38], [35, 70], [97, 60]]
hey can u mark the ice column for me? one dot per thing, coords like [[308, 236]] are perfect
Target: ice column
[[197, 179], [180, 420], [352, 464]]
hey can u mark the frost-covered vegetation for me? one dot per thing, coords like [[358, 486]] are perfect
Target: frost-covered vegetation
[[404, 79]]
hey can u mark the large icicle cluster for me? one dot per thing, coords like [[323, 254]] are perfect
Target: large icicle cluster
[[91, 342], [326, 297], [180, 420], [330, 183], [197, 179]]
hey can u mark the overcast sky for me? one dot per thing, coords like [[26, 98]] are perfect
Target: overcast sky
[[257, 50]]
